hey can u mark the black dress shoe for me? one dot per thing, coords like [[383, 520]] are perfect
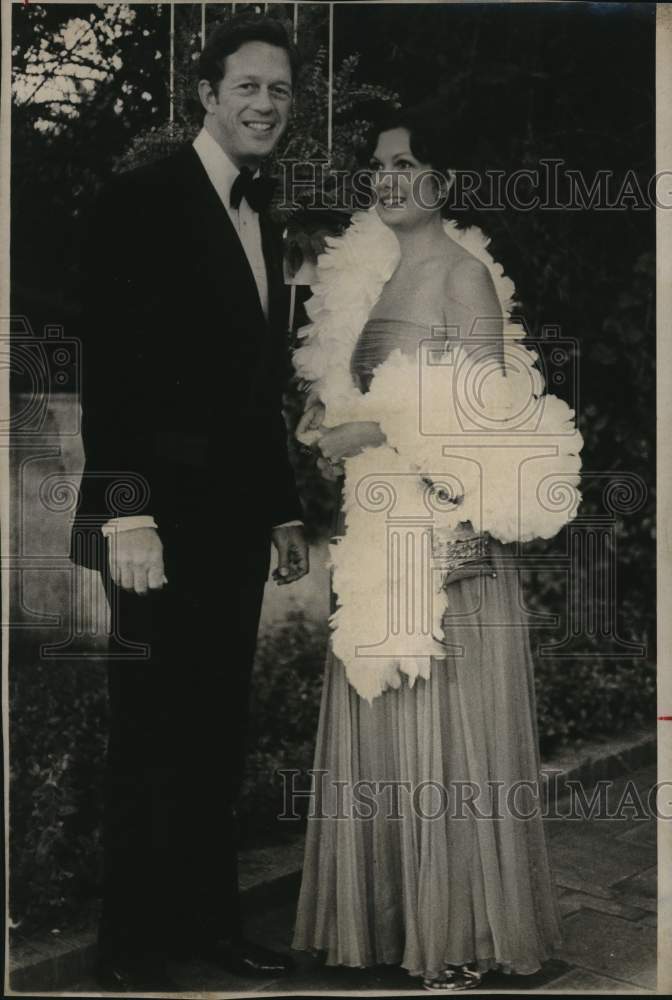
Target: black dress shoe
[[133, 975], [246, 959]]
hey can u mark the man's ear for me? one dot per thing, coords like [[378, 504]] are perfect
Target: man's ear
[[207, 94]]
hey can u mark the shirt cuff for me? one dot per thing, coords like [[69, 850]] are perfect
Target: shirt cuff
[[289, 524], [128, 524]]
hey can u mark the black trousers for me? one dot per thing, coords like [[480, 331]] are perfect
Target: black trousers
[[179, 683]]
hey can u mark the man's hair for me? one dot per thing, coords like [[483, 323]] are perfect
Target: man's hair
[[228, 37]]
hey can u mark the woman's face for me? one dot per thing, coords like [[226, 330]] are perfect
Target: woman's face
[[407, 190]]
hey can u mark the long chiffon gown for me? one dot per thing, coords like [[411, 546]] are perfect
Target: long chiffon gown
[[412, 879]]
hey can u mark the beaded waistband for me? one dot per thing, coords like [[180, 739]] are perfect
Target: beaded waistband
[[461, 558]]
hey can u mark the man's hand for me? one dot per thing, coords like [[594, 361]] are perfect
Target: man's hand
[[292, 548], [330, 471], [136, 560]]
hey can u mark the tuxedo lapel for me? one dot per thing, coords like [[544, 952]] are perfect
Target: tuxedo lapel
[[272, 247], [212, 219]]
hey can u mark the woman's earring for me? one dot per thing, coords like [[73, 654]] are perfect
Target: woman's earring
[[445, 184]]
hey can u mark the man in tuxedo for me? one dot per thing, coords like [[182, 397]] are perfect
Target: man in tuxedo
[[186, 482]]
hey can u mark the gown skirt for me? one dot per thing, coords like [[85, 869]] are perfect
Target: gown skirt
[[426, 845]]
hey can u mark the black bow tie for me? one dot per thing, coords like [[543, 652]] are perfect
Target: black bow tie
[[258, 191]]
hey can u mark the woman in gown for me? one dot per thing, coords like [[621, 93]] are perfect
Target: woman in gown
[[427, 708]]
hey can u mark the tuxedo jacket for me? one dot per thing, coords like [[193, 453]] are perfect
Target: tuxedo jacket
[[182, 374]]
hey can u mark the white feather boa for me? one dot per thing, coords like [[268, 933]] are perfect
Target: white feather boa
[[507, 451]]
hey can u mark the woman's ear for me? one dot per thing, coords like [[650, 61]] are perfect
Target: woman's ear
[[445, 183]]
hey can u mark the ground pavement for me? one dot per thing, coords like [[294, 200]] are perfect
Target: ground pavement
[[605, 874]]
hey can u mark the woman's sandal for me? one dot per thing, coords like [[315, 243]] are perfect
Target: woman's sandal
[[453, 979]]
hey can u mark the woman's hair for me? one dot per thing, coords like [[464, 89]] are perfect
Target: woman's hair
[[437, 138], [228, 37]]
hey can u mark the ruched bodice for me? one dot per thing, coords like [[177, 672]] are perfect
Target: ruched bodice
[[377, 340]]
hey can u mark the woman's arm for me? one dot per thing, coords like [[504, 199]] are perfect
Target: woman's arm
[[470, 284], [349, 439]]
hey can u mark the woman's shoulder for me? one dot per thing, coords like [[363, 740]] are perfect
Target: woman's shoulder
[[452, 265], [457, 275], [468, 279]]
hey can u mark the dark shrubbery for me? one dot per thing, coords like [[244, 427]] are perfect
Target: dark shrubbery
[[285, 703], [57, 743]]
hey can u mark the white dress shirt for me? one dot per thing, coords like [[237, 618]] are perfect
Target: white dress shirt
[[222, 173]]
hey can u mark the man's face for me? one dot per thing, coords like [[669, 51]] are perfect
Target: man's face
[[250, 110]]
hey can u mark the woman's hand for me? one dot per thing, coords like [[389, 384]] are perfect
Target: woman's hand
[[307, 429], [349, 439], [309, 432]]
